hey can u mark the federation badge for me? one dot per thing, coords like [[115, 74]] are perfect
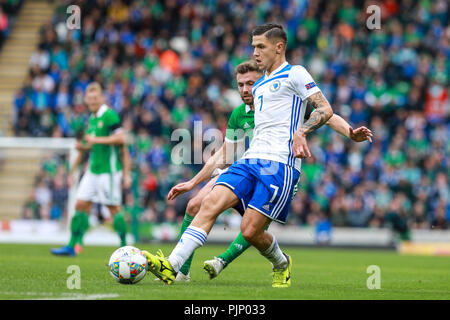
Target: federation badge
[[275, 86]]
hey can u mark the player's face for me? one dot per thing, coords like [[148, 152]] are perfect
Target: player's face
[[265, 51], [94, 100], [245, 83]]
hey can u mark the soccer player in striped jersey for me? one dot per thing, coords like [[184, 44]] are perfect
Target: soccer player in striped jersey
[[241, 124], [109, 166]]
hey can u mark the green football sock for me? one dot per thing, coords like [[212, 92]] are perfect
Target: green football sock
[[84, 225], [78, 227], [236, 248], [186, 222], [74, 233], [120, 225]]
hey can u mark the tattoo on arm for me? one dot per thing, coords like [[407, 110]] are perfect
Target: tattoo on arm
[[321, 114]]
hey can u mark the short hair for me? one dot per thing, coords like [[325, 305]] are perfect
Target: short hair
[[271, 31], [94, 86], [247, 66]]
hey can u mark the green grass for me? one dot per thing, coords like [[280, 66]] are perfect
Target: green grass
[[30, 272]]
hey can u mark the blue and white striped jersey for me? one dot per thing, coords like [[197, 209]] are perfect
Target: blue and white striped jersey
[[280, 104]]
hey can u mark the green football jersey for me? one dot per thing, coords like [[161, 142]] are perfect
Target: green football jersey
[[240, 124], [104, 158]]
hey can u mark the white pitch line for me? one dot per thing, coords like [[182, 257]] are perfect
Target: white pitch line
[[84, 297], [62, 296]]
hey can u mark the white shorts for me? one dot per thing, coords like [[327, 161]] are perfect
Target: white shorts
[[104, 188]]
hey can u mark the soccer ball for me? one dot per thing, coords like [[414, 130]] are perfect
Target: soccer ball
[[128, 265]]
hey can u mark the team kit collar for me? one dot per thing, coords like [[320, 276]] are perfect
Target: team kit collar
[[101, 110], [284, 64], [247, 108]]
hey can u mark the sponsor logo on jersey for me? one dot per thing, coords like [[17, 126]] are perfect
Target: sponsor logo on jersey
[[100, 124]]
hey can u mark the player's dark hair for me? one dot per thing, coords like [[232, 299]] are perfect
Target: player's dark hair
[[272, 31], [247, 66]]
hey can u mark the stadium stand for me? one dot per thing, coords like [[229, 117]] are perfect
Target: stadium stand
[[166, 64], [26, 18]]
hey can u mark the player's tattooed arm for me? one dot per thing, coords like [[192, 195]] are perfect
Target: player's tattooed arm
[[322, 113], [318, 118]]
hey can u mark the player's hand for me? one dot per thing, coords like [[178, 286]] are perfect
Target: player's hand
[[180, 189], [127, 181], [300, 146], [90, 140], [361, 134], [79, 146]]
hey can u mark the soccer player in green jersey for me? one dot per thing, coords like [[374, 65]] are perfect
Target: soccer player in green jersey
[[240, 125], [109, 166]]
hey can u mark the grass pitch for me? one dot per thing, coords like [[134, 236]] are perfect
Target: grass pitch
[[31, 272]]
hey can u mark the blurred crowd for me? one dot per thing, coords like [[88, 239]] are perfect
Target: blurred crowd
[[166, 64], [8, 12]]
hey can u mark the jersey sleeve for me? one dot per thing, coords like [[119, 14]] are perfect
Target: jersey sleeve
[[113, 121], [234, 133], [303, 82]]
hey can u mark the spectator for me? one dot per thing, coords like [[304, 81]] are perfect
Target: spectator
[[394, 81], [40, 58]]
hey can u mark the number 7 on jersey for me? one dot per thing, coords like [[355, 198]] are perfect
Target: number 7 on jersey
[[261, 99]]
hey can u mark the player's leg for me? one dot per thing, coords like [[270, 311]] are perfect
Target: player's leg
[[230, 188], [216, 265], [119, 223], [82, 210], [192, 209], [79, 223], [253, 230], [270, 201], [110, 194], [78, 226], [217, 201]]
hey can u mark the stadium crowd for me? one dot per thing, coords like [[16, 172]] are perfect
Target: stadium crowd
[[166, 64]]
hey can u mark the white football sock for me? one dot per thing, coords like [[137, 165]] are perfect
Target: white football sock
[[275, 255], [191, 239]]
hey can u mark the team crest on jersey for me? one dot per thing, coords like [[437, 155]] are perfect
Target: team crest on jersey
[[276, 85], [100, 124]]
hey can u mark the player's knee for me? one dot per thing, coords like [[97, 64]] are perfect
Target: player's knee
[[193, 206], [249, 233], [83, 206], [209, 205], [114, 210]]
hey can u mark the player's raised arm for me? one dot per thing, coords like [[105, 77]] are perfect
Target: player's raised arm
[[218, 161], [338, 124], [318, 118]]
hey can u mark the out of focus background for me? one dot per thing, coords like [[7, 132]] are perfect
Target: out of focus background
[[166, 64]]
